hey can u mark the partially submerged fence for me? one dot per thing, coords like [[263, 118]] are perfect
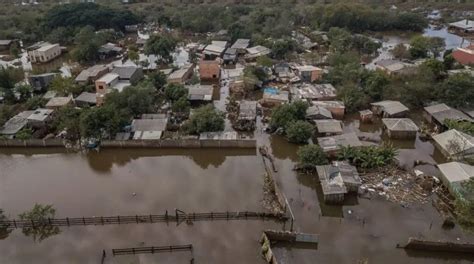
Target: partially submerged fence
[[151, 250], [31, 143], [178, 217]]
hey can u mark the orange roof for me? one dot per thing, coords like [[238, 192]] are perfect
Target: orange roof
[[209, 69], [464, 56]]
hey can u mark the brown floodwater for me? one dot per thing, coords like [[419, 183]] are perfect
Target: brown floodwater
[[133, 181]]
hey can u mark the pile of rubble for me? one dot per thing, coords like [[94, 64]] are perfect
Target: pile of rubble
[[270, 199], [399, 186]]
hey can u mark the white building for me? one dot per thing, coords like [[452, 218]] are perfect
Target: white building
[[43, 52]]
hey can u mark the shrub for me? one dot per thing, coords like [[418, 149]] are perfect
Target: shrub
[[299, 131], [309, 156], [368, 157]]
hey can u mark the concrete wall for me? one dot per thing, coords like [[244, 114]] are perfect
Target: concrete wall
[[179, 143], [167, 143], [31, 143]]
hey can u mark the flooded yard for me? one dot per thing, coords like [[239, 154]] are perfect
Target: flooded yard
[[129, 182]]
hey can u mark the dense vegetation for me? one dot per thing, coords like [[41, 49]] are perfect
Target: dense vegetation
[[464, 205], [369, 157], [79, 15], [310, 156]]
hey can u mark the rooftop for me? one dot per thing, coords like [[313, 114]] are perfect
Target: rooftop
[[149, 124], [59, 101], [329, 126], [313, 91], [200, 92], [180, 73], [108, 78], [241, 44], [329, 104], [90, 98], [48, 47], [391, 107], [456, 171], [335, 142], [400, 124], [258, 51], [464, 24], [40, 114], [125, 72], [248, 110], [318, 112], [441, 112], [455, 142], [16, 123]]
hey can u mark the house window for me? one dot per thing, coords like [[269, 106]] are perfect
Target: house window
[[101, 87]]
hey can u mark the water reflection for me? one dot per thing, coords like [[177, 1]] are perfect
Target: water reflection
[[282, 149]]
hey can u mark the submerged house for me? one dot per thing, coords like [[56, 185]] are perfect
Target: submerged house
[[150, 128], [180, 76], [86, 99], [200, 93], [41, 82], [332, 144], [309, 73], [91, 74], [273, 97], [338, 179], [329, 127], [454, 174], [42, 52], [394, 67], [389, 108], [400, 128], [463, 26], [109, 50], [209, 71], [313, 92], [241, 45], [58, 102], [257, 51], [337, 108], [438, 114], [317, 113], [455, 144]]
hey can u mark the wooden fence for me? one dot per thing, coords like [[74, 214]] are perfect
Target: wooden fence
[[178, 217], [151, 250]]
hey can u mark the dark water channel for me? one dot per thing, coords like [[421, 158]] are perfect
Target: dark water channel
[[129, 182]]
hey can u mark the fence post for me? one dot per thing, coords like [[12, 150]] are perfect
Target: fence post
[[84, 221], [136, 218], [118, 218], [166, 216], [102, 220], [14, 223], [151, 219], [32, 223], [67, 220]]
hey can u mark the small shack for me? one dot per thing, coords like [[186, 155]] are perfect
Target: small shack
[[58, 102], [257, 51], [438, 114], [329, 127], [400, 128], [455, 144], [273, 97], [41, 82], [247, 117], [91, 74], [317, 113], [149, 128], [337, 108], [454, 174], [313, 92], [86, 99], [337, 179], [389, 109], [180, 76], [200, 93], [332, 144], [366, 116], [209, 71]]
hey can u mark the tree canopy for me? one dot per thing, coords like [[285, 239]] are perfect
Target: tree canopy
[[205, 119], [88, 14]]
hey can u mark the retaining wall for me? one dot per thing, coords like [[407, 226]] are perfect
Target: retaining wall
[[31, 143]]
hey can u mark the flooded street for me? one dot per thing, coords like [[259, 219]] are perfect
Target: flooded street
[[129, 182]]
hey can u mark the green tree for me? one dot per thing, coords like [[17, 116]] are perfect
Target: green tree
[[400, 51], [25, 91], [181, 106], [264, 61], [457, 90], [423, 47], [102, 122], [8, 78], [173, 92], [87, 45], [205, 119], [64, 86], [310, 156], [159, 79], [40, 215], [285, 114], [374, 85], [24, 134], [162, 46], [340, 39], [464, 204], [35, 102], [299, 131], [68, 118], [133, 100], [15, 51], [352, 96]]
